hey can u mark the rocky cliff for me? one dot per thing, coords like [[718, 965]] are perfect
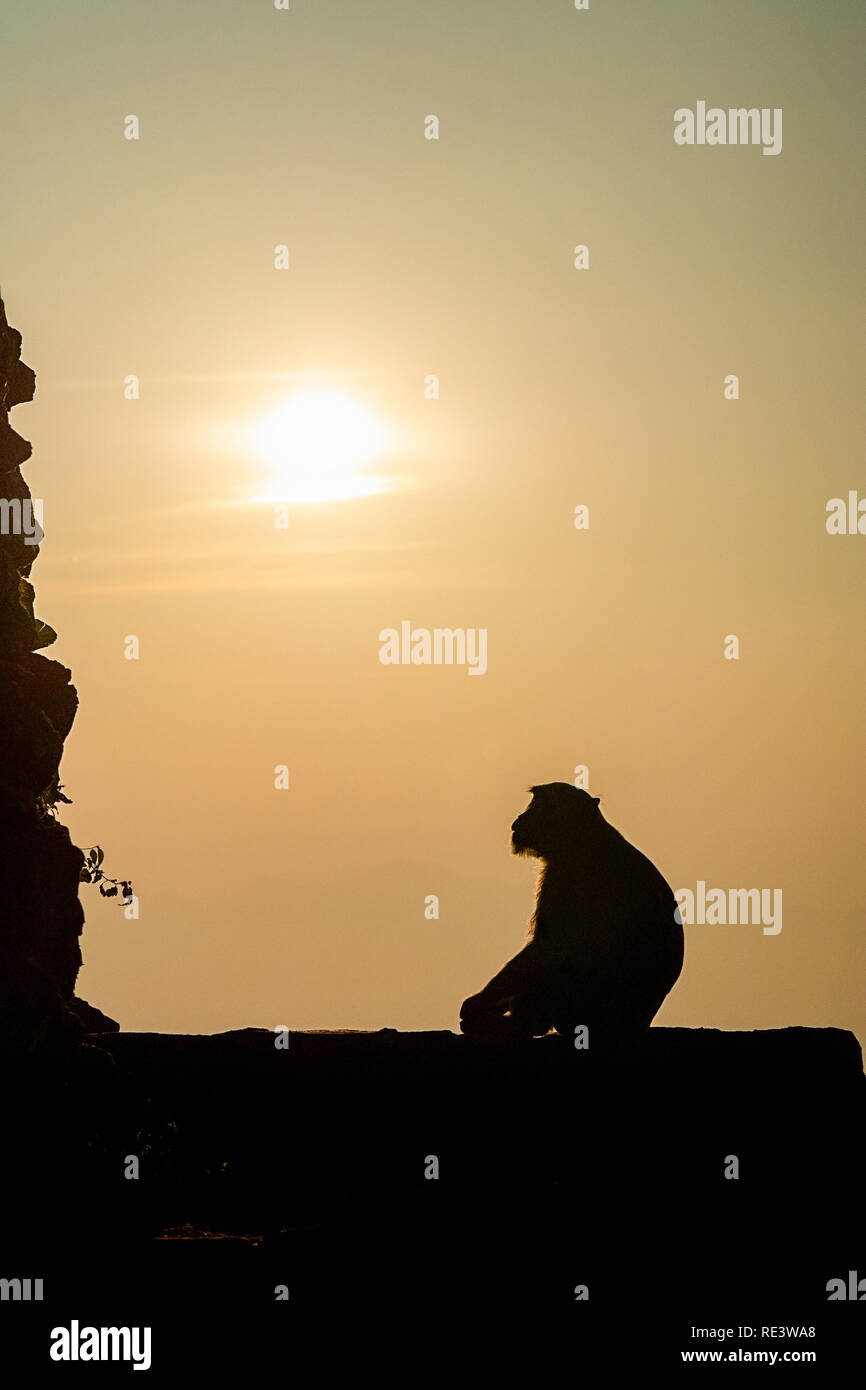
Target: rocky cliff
[[232, 1183], [40, 915]]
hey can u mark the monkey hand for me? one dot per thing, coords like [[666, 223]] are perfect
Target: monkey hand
[[483, 1017]]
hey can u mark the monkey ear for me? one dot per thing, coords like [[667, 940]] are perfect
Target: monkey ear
[[596, 800]]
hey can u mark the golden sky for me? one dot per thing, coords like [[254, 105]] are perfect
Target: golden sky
[[411, 257]]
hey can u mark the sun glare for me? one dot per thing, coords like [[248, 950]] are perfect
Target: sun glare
[[316, 447]]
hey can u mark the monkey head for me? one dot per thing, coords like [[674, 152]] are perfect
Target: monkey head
[[557, 816]]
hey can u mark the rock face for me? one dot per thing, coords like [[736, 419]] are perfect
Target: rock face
[[40, 915], [338, 1129], [707, 1178]]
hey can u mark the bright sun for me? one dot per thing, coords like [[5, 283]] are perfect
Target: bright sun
[[317, 446]]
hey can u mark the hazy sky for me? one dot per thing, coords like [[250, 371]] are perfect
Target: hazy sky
[[605, 387]]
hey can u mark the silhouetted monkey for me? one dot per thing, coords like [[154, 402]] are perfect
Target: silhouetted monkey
[[605, 944]]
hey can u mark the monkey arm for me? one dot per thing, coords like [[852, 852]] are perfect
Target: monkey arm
[[514, 976], [510, 1002]]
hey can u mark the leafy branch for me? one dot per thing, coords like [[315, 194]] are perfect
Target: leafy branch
[[92, 872]]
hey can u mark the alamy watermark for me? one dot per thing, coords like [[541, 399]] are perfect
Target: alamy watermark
[[22, 518], [846, 520], [720, 907], [441, 646], [21, 1290], [76, 1343], [736, 126]]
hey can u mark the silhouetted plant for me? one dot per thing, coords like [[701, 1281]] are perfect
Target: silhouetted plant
[[92, 872]]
